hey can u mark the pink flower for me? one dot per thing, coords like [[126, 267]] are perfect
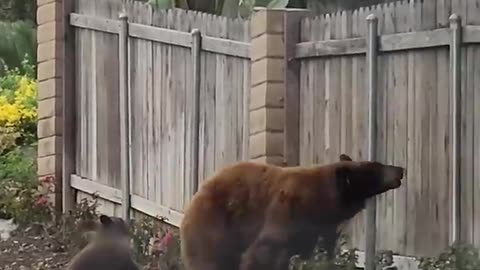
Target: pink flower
[[41, 200], [47, 180], [160, 245], [166, 239]]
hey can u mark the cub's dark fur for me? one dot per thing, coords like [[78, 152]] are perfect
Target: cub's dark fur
[[109, 249]]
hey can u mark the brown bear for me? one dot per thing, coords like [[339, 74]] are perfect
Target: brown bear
[[256, 216], [109, 248]]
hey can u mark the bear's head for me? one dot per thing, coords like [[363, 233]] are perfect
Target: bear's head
[[360, 180]]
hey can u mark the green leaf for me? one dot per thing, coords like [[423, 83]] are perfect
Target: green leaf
[[230, 8], [18, 41], [161, 4], [245, 8], [262, 3], [277, 4]]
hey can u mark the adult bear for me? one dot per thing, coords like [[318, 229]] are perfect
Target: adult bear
[[256, 216]]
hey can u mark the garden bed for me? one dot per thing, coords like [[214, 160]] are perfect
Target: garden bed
[[35, 248], [30, 250]]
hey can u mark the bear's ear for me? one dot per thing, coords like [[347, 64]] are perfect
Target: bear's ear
[[343, 181], [345, 157], [105, 220]]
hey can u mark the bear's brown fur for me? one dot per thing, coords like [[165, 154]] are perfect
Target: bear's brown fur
[[256, 216]]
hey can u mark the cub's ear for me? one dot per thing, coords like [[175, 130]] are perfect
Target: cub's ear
[[345, 157], [105, 220]]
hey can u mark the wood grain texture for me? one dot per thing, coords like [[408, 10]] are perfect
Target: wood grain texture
[[69, 150], [415, 124], [414, 118], [161, 97]]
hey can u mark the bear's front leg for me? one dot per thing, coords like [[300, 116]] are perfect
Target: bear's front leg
[[330, 236], [266, 252], [271, 250]]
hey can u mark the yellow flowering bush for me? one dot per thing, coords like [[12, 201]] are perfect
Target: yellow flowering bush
[[20, 195], [22, 107], [18, 106]]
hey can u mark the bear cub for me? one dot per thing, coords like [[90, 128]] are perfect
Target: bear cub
[[257, 216], [109, 248]]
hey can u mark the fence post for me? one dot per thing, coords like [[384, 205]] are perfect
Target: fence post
[[455, 88], [125, 110], [292, 32], [196, 47], [371, 229], [69, 109]]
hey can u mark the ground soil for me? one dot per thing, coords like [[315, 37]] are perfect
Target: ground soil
[[28, 249]]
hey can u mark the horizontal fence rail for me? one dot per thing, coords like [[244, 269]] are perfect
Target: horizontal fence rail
[[167, 36], [386, 43], [115, 195]]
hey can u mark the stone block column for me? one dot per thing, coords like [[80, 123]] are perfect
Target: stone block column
[[274, 33], [267, 86], [49, 75]]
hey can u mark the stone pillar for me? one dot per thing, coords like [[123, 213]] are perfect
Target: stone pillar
[[50, 70], [267, 87], [274, 35]]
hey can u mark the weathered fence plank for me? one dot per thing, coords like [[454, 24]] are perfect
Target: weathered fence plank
[[162, 117], [414, 126], [414, 120]]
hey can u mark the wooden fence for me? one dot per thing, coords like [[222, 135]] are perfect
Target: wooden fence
[[172, 93], [416, 94], [164, 111]]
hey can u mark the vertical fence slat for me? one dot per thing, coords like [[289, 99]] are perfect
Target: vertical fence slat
[[196, 46], [292, 86], [455, 26], [124, 115], [372, 133], [69, 109]]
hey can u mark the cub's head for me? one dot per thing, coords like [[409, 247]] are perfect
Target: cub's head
[[113, 227], [360, 180], [106, 228]]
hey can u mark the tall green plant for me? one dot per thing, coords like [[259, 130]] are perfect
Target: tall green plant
[[18, 43], [13, 10]]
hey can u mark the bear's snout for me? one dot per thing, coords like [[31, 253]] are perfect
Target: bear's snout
[[393, 176]]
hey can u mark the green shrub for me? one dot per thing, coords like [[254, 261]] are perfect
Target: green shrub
[[456, 257], [67, 230], [20, 196], [345, 259]]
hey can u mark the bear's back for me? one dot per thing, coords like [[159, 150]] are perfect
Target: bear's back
[[243, 185]]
